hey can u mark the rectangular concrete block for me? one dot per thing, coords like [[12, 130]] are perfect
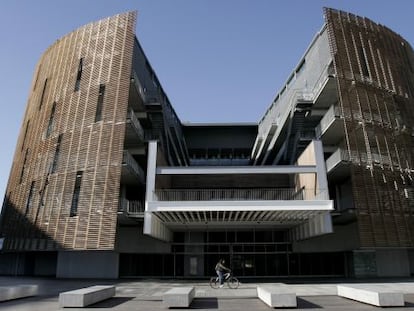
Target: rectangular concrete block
[[86, 296], [18, 291], [277, 297], [371, 294], [179, 297]]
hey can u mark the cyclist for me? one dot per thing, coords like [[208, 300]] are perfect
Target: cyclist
[[220, 268]]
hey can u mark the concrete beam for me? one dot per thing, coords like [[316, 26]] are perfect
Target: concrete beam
[[220, 170]]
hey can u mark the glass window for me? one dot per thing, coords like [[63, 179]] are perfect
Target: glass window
[[29, 198], [99, 105], [24, 166], [76, 194], [25, 133], [43, 94], [51, 118], [56, 156], [79, 75]]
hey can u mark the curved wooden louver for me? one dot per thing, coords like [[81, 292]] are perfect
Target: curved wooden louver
[[93, 148], [375, 76]]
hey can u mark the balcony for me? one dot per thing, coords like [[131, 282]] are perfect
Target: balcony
[[132, 173], [136, 94], [292, 197], [331, 128], [263, 194], [338, 157], [134, 134], [238, 207], [220, 162], [337, 165], [325, 89], [131, 208], [130, 212]]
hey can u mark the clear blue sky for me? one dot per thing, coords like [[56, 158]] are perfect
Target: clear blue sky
[[218, 60]]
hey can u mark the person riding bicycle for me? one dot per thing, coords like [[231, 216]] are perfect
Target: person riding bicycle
[[220, 268]]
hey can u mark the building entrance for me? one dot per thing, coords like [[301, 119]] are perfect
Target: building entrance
[[248, 253]]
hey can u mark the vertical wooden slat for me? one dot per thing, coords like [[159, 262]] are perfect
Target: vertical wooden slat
[[95, 149], [379, 118]]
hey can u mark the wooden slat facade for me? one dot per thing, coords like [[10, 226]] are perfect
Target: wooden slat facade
[[375, 77], [40, 219]]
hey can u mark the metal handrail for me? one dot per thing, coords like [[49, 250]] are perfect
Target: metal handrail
[[234, 194], [135, 122], [130, 207], [129, 160]]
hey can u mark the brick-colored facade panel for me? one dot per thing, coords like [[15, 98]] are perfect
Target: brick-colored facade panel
[[375, 75], [60, 137]]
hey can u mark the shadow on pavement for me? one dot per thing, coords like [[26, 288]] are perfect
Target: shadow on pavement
[[204, 303], [305, 304], [111, 302], [409, 300]]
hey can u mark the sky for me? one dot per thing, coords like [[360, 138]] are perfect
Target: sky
[[217, 60]]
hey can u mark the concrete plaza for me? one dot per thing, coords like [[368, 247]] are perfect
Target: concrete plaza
[[147, 294]]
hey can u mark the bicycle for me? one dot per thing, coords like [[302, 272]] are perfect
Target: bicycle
[[232, 281]]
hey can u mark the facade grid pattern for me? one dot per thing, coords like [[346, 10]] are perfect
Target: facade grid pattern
[[375, 85], [94, 148]]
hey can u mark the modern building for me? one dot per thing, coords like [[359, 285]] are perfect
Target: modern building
[[108, 182]]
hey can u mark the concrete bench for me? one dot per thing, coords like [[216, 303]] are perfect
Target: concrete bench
[[277, 297], [86, 296], [371, 294], [18, 291], [179, 297]]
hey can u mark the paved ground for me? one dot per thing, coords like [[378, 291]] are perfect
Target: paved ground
[[140, 295]]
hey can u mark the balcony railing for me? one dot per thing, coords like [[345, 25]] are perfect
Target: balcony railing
[[254, 194], [332, 113], [129, 161], [220, 162], [301, 96], [340, 155], [131, 208], [132, 118]]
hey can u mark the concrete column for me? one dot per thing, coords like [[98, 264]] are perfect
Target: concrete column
[[151, 171], [153, 226], [322, 180]]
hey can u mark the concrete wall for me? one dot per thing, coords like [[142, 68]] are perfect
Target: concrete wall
[[45, 264], [393, 262], [305, 79], [344, 238], [11, 264], [28, 263], [411, 258], [88, 264], [132, 240]]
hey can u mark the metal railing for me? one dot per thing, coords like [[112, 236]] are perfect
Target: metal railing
[[301, 96], [128, 160], [138, 86], [254, 194], [342, 155], [131, 207], [132, 118], [220, 162]]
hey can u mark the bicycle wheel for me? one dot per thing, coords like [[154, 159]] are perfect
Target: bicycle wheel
[[233, 282], [214, 282]]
